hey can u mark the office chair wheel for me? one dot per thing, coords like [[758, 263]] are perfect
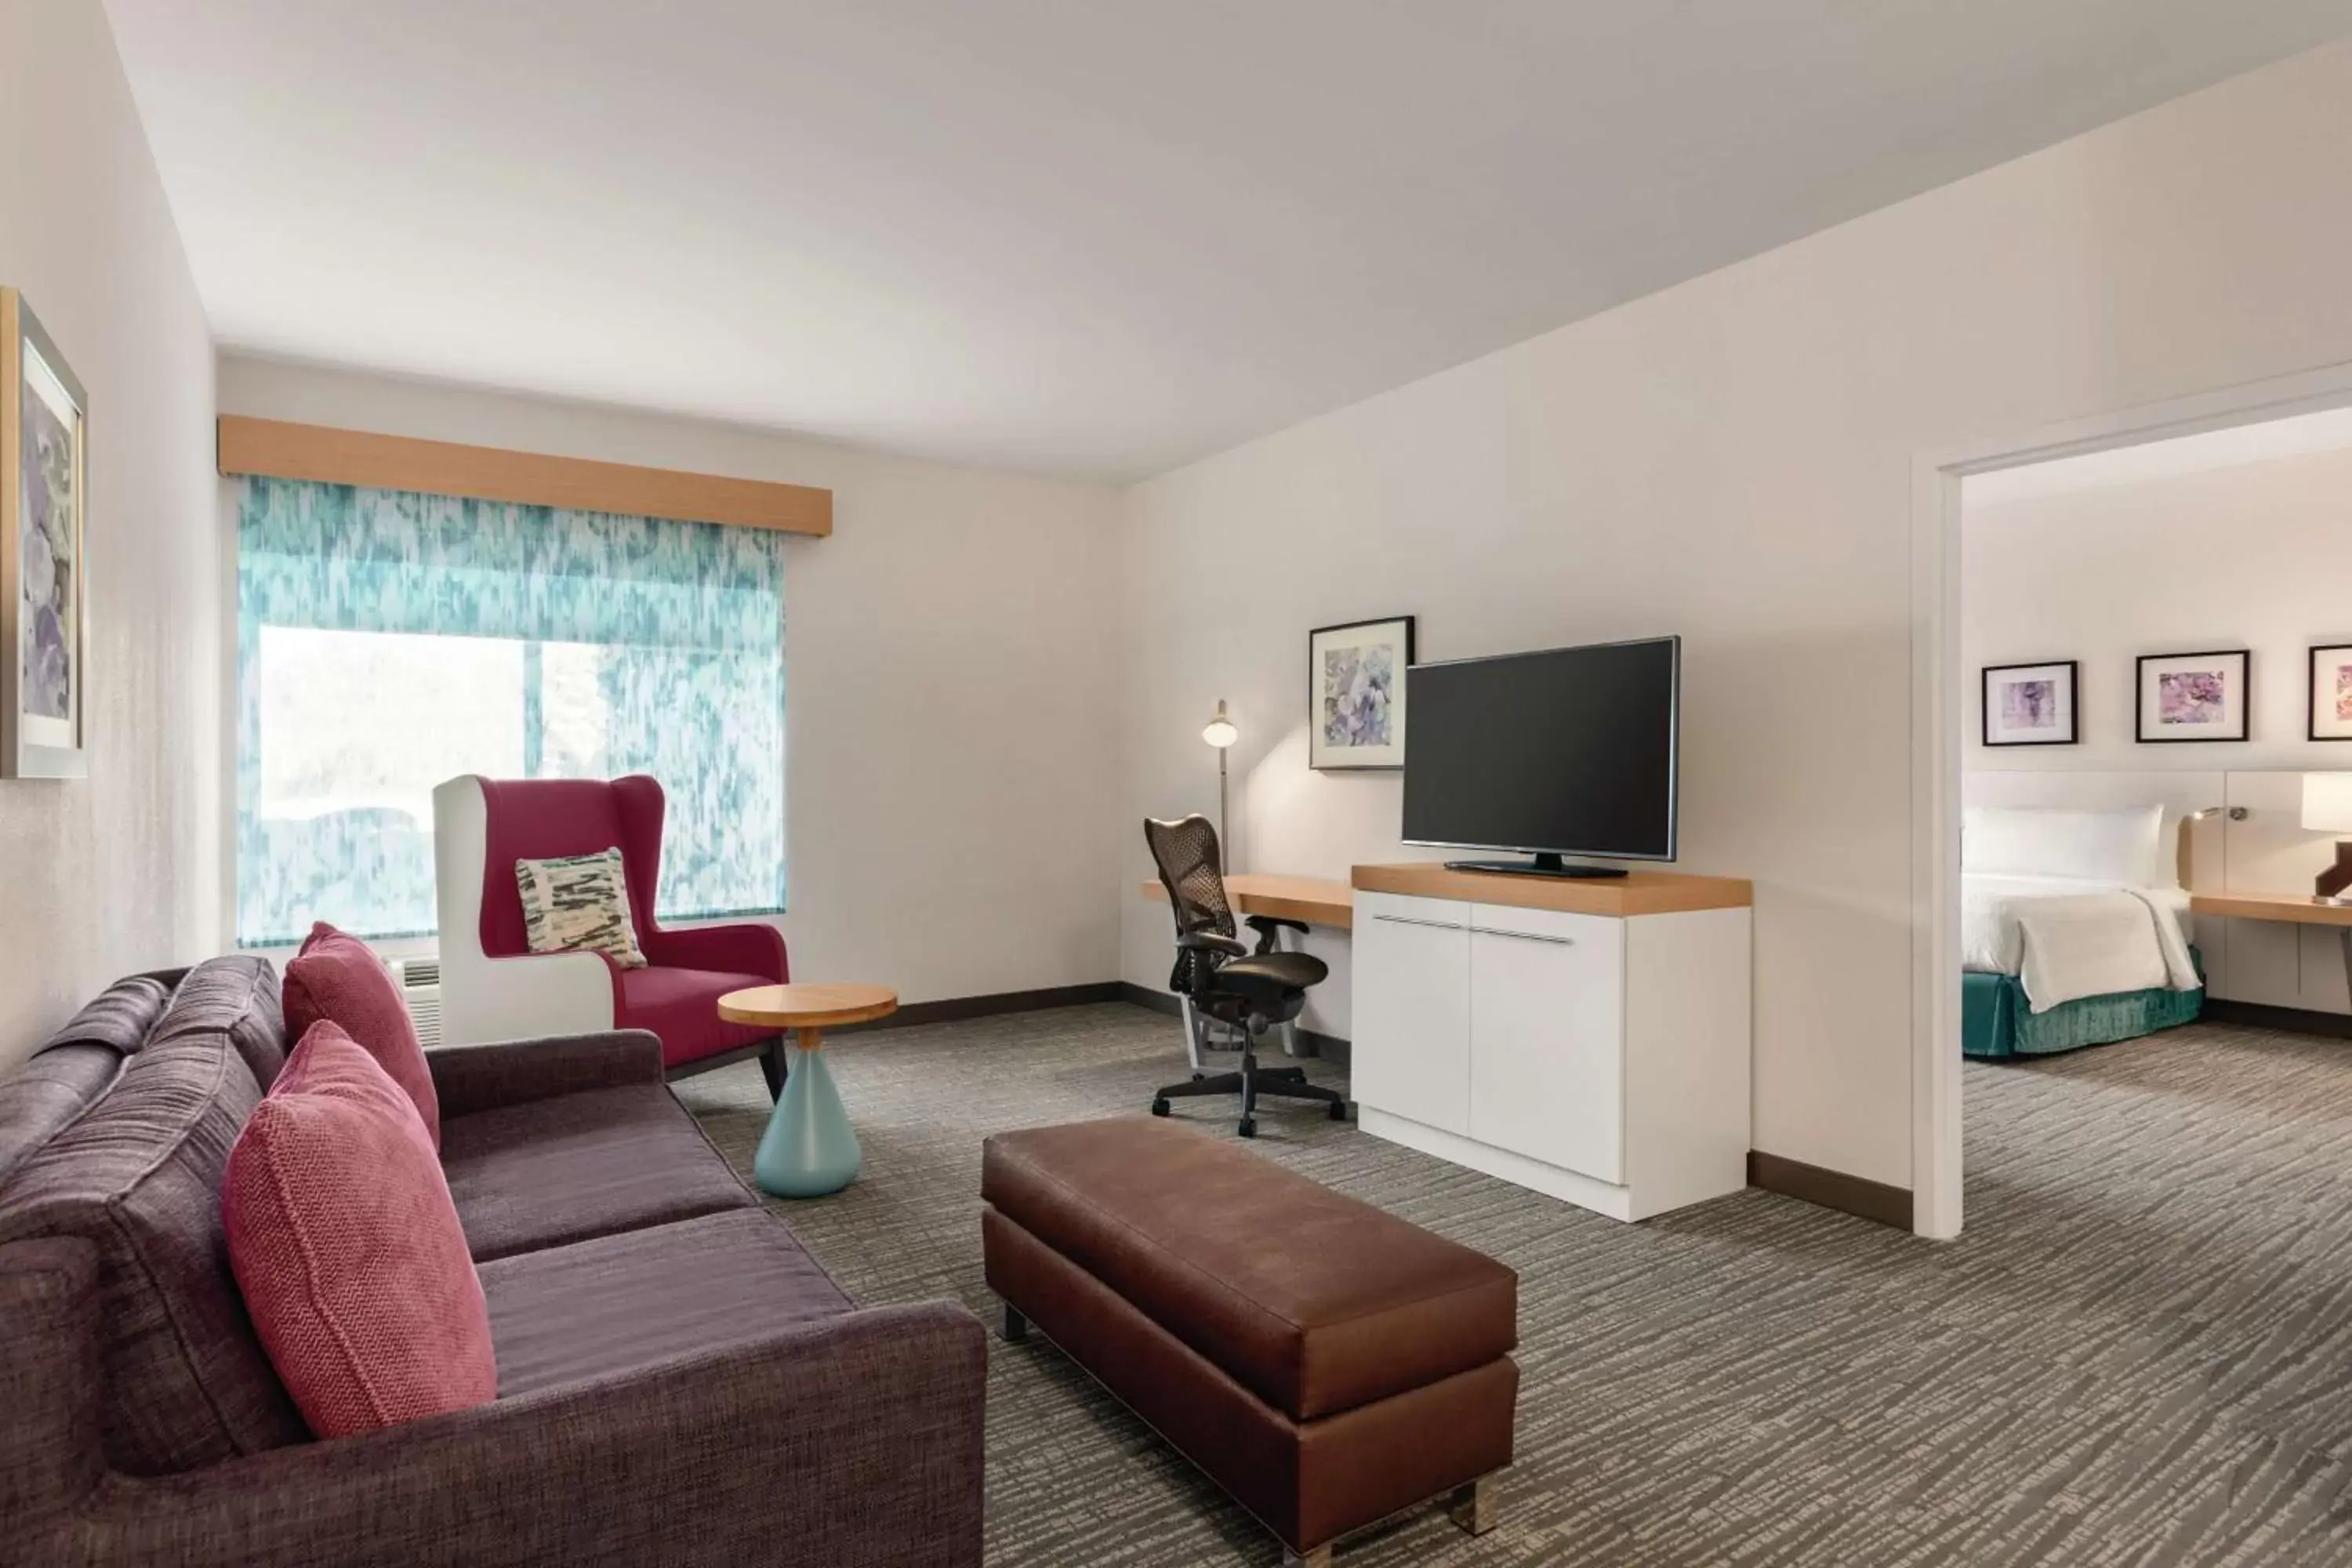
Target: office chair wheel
[[1248, 1128], [1339, 1110], [1159, 1108]]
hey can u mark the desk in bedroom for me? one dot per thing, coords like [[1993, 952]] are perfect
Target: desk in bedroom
[[2294, 908]]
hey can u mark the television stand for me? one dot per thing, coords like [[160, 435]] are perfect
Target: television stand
[[1543, 865]]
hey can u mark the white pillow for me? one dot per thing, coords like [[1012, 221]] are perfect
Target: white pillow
[[2120, 844]]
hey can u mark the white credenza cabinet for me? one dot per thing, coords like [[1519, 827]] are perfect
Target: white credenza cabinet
[[1597, 1057]]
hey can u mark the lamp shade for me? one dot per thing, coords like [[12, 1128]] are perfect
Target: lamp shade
[[1220, 730], [2327, 802]]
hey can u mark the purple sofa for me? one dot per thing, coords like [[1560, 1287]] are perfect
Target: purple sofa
[[678, 1381]]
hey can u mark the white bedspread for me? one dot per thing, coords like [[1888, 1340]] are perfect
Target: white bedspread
[[2065, 937]]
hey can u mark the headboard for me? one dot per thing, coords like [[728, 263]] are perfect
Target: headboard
[[2183, 795]]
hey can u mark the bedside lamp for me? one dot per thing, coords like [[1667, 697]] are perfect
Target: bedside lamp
[[1221, 732], [2327, 808]]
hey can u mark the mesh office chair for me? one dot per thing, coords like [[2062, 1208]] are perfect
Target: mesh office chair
[[1223, 982]]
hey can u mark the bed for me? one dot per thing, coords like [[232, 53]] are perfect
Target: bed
[[2074, 930]]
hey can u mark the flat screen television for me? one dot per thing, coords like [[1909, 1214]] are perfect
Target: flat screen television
[[1566, 752]]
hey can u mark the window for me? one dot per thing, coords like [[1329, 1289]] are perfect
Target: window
[[388, 641]]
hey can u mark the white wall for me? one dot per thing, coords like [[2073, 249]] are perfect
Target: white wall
[[1732, 459], [118, 871], [2257, 556], [949, 678]]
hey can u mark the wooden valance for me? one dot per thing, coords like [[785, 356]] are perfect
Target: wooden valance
[[288, 451]]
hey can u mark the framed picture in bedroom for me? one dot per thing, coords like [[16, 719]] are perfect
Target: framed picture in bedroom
[[44, 644], [2193, 696], [1355, 693], [2331, 691], [2032, 704]]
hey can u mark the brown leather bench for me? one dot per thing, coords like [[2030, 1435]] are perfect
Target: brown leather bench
[[1327, 1363]]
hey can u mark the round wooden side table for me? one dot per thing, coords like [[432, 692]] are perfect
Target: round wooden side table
[[809, 1149]]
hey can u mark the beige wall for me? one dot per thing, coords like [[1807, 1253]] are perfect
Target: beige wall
[[949, 683], [2257, 556], [118, 871], [1732, 459]]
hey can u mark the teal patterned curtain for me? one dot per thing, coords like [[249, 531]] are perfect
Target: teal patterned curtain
[[387, 641]]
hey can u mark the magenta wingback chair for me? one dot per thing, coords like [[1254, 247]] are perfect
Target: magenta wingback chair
[[493, 987]]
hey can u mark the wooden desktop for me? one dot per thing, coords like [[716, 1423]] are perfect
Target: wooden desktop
[[2299, 908], [1317, 900], [1322, 901]]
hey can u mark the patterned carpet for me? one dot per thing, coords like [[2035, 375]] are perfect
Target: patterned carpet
[[2141, 1351]]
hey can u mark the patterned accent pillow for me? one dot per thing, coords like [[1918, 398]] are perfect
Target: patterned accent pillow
[[579, 903]]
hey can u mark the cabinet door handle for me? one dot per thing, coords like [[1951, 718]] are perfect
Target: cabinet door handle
[[1522, 935], [1410, 921]]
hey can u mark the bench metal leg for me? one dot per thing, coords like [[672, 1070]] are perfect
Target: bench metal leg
[[1473, 1506], [1470, 1506], [1015, 1327]]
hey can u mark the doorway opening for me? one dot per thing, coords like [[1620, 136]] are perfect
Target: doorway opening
[[2114, 774]]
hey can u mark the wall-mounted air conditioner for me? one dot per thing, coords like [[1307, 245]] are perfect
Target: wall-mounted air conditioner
[[420, 987]]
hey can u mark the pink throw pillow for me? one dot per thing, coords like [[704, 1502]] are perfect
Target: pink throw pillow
[[347, 1248], [339, 977]]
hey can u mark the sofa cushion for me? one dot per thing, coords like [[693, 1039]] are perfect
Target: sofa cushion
[[548, 1172], [344, 1242], [77, 1065], [118, 1017], [681, 1005], [339, 977], [595, 1309], [43, 1097], [238, 997], [184, 1381], [1352, 1305]]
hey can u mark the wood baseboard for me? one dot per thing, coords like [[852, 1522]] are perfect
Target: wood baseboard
[[1144, 997], [2262, 1015], [1831, 1189], [1326, 1047]]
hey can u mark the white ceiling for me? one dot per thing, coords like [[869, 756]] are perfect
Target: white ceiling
[[2327, 431], [1089, 236]]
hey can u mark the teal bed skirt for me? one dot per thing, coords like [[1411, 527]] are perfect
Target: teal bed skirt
[[1996, 1023]]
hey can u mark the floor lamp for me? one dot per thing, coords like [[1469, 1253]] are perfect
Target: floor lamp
[[1221, 732]]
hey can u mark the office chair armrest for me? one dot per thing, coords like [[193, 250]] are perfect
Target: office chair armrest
[[1267, 925], [1210, 942]]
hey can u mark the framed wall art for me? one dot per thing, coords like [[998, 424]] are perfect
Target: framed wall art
[[44, 505], [1355, 693], [2032, 704], [2331, 691], [2193, 696]]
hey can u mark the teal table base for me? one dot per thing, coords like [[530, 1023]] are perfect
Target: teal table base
[[809, 1149]]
